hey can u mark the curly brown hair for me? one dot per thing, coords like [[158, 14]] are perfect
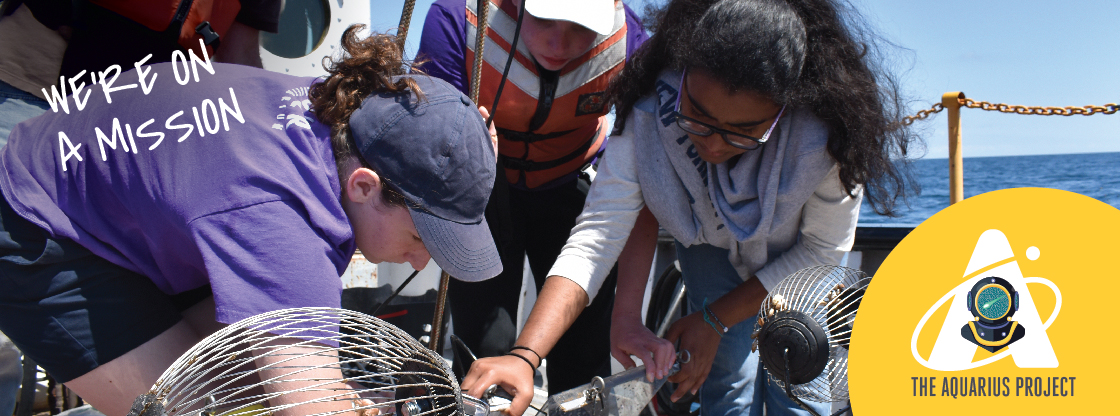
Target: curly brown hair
[[367, 66]]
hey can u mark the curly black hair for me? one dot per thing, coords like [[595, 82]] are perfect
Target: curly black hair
[[807, 53]]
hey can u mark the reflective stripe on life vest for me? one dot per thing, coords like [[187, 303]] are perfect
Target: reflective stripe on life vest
[[567, 131]]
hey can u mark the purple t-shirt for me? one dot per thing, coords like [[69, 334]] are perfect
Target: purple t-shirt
[[444, 41], [226, 181]]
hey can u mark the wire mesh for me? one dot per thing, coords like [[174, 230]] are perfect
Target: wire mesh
[[308, 361], [830, 296]]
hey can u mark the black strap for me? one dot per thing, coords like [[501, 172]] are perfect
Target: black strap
[[395, 293], [549, 81], [529, 137], [509, 61], [176, 26], [531, 166]]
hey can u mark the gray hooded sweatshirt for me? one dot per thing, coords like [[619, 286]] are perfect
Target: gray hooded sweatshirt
[[777, 209]]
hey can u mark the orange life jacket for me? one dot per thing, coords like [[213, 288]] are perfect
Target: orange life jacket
[[547, 127]]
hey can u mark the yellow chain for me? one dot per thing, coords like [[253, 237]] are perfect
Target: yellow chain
[[937, 108], [1087, 110]]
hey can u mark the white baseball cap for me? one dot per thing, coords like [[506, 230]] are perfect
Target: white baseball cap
[[597, 15]]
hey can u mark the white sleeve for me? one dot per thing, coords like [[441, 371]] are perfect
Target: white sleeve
[[608, 217], [828, 224]]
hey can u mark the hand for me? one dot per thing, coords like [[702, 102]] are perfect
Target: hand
[[701, 341], [511, 373], [630, 338], [369, 402], [366, 407], [493, 131]]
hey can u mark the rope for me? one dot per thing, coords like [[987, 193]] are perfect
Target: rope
[[436, 339], [479, 42], [406, 20], [435, 343]]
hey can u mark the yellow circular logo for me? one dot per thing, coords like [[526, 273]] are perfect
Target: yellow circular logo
[[998, 303]]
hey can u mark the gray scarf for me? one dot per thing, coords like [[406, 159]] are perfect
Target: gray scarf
[[753, 207]]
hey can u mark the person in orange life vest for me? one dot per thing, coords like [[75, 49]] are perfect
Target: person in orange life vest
[[551, 123]]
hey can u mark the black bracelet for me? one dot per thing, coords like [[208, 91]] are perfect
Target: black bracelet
[[519, 347], [526, 360]]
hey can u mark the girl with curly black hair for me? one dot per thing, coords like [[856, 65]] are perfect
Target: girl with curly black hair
[[751, 130]]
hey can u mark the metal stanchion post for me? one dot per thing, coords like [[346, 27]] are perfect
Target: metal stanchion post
[[951, 101]]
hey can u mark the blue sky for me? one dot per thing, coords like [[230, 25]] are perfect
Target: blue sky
[[1026, 52]]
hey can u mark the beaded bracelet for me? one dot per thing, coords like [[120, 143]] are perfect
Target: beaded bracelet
[[716, 318], [709, 316]]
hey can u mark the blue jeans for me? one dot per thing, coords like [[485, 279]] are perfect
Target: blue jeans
[[15, 106], [737, 384]]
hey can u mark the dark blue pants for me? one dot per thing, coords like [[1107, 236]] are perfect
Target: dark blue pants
[[533, 223], [70, 310]]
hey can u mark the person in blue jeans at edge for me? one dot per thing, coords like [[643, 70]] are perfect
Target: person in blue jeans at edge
[[115, 259], [31, 58], [750, 130], [551, 123]]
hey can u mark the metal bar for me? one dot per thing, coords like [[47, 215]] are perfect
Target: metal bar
[[395, 293], [678, 296], [951, 101], [53, 395], [27, 388]]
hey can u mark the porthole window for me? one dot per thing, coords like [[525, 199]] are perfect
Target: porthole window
[[303, 25]]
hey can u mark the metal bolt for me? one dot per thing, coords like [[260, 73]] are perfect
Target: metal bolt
[[410, 408]]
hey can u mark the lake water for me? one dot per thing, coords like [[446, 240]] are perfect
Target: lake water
[[1096, 175]]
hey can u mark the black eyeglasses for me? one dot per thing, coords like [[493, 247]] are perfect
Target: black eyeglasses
[[699, 128]]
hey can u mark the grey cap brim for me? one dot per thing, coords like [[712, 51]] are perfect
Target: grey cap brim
[[465, 251]]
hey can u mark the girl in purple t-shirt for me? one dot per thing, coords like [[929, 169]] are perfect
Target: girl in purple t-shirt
[[147, 211]]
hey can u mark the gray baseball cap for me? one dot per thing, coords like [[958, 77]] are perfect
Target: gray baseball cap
[[437, 152]]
